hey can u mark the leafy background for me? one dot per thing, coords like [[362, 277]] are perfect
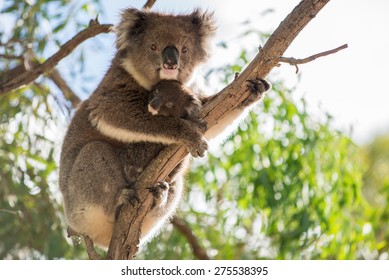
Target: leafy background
[[285, 185]]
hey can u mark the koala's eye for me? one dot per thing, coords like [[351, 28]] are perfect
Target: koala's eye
[[153, 47], [169, 105], [184, 50]]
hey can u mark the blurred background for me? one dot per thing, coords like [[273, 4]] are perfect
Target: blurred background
[[305, 176]]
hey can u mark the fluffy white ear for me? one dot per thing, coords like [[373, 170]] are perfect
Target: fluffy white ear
[[132, 22]]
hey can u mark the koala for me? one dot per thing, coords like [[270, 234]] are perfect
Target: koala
[[112, 136], [112, 131], [172, 98]]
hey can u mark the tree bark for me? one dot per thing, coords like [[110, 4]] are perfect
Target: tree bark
[[126, 235]]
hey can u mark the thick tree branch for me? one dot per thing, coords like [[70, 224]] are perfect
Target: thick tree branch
[[181, 226], [295, 61], [11, 82], [124, 243], [213, 112]]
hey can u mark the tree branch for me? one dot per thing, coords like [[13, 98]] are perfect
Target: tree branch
[[11, 57], [11, 82], [214, 111], [90, 248], [181, 226], [295, 62], [92, 254]]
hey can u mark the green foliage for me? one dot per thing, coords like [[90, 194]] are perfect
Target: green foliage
[[32, 225], [376, 190], [31, 218], [283, 186]]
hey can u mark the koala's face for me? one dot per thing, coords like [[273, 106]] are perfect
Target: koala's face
[[170, 98], [154, 46]]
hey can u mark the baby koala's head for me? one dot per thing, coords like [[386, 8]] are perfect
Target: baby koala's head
[[171, 98]]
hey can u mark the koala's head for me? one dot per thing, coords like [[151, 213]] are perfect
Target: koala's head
[[171, 98], [154, 46]]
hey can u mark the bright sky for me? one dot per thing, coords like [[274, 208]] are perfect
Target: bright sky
[[346, 84]]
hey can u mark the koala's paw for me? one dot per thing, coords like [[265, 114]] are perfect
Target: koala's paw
[[257, 88], [128, 196], [202, 125], [160, 193], [198, 146]]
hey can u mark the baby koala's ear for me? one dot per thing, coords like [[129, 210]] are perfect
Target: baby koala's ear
[[193, 110], [152, 94]]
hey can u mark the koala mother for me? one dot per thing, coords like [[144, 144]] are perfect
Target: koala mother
[[113, 129]]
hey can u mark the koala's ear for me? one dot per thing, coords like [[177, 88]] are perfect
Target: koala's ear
[[132, 23], [204, 23], [152, 94]]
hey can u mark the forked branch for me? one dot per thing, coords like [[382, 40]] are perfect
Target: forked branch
[[295, 61]]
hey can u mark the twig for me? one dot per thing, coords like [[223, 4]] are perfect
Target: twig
[[11, 57], [149, 4], [218, 109], [9, 211], [93, 255], [295, 61], [198, 251], [14, 82]]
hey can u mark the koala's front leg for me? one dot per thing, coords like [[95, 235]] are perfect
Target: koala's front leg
[[257, 88], [137, 125]]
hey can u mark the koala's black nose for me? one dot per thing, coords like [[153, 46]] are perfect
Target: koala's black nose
[[170, 57]]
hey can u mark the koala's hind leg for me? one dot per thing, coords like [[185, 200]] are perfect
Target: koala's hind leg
[[93, 193]]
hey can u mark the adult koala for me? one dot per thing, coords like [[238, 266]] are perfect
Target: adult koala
[[113, 130]]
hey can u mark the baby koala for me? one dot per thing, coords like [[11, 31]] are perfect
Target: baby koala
[[166, 98], [172, 98]]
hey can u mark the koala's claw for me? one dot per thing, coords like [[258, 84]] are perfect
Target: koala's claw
[[203, 126], [199, 149], [129, 196], [160, 193], [257, 88]]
